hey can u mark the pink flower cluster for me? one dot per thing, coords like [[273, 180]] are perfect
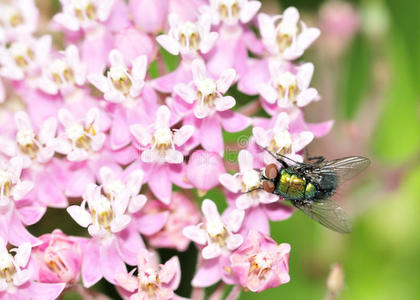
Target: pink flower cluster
[[89, 130]]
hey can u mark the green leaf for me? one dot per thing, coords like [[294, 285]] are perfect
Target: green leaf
[[171, 61], [356, 78], [397, 135]]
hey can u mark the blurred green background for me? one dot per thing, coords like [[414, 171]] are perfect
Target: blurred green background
[[368, 83]]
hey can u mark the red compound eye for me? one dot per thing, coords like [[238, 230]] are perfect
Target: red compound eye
[[271, 171], [268, 186]]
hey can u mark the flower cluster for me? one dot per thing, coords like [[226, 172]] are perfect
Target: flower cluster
[[101, 126]]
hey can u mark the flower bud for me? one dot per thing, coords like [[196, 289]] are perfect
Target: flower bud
[[335, 279], [58, 257], [203, 170], [149, 15]]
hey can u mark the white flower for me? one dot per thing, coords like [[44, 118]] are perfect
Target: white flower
[[121, 83], [161, 138], [63, 73], [11, 187], [188, 37], [217, 234], [80, 139], [287, 88], [285, 34], [279, 140], [103, 216], [83, 14], [231, 11], [24, 57], [248, 179], [12, 272], [207, 93]]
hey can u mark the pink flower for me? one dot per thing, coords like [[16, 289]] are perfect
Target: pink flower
[[187, 37], [216, 234], [79, 139], [288, 38], [203, 170], [59, 257], [232, 11], [164, 163], [287, 88], [19, 18], [206, 108], [182, 212], [259, 205], [161, 139], [115, 237], [83, 14], [149, 16], [28, 144], [153, 280], [11, 187], [16, 276], [24, 57], [64, 73], [121, 84], [205, 93], [260, 263], [278, 139]]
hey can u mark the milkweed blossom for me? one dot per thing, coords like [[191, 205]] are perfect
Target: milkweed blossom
[[122, 116]]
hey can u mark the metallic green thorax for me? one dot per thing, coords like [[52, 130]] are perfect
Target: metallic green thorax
[[294, 187]]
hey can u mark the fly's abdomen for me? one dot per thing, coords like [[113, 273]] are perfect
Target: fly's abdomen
[[293, 187]]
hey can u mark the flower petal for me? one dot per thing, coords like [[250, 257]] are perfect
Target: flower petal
[[141, 134], [80, 215], [185, 92], [225, 81], [182, 135], [230, 182], [168, 43], [195, 234], [224, 103]]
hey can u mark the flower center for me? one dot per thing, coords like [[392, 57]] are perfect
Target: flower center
[[102, 211], [27, 142], [7, 266], [61, 72], [149, 281], [75, 132], [188, 36], [22, 54], [162, 138], [250, 180], [217, 232], [229, 10], [112, 189], [260, 263], [286, 31], [5, 184], [281, 142], [84, 10], [207, 91], [287, 86], [13, 16], [25, 137], [120, 79]]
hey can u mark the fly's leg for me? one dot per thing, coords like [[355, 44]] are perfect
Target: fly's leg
[[280, 160]]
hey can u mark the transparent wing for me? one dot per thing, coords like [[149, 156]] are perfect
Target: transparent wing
[[327, 213], [344, 168]]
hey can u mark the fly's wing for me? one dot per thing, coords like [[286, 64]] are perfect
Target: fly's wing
[[343, 168], [327, 213]]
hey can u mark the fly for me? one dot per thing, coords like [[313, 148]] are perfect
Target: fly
[[309, 186]]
